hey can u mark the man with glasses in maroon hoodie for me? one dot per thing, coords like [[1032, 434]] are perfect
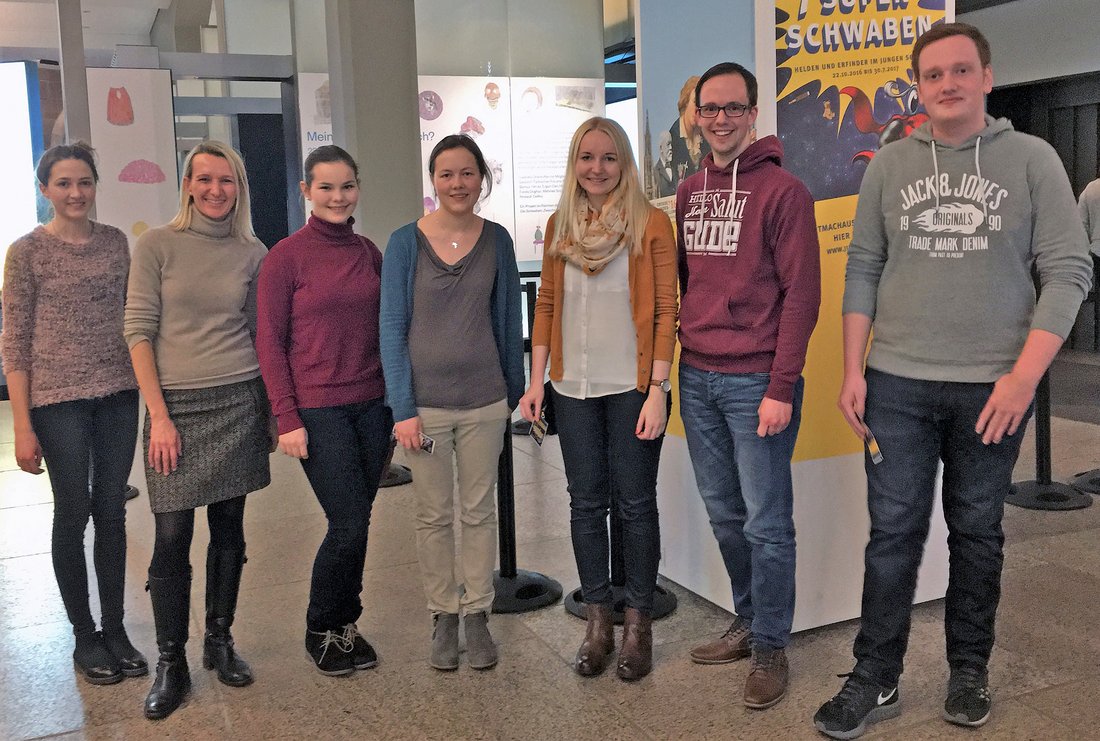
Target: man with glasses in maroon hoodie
[[750, 289]]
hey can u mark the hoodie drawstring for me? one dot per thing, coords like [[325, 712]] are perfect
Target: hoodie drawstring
[[702, 204], [936, 170], [733, 195], [977, 168]]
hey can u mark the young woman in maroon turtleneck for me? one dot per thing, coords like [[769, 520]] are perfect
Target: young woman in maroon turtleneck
[[317, 342]]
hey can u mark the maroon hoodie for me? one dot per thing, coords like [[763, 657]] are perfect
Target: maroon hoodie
[[750, 275]]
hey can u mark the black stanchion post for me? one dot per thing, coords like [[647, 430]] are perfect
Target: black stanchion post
[[530, 293], [392, 473], [1042, 493], [664, 601], [517, 590]]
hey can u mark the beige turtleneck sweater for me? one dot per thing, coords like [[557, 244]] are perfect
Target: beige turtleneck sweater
[[192, 294]]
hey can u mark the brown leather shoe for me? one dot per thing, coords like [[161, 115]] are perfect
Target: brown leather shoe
[[636, 655], [768, 678], [599, 641], [735, 643]]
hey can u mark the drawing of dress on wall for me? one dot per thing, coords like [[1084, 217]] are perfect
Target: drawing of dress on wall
[[120, 111]]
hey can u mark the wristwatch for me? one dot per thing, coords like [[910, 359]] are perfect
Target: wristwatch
[[665, 384]]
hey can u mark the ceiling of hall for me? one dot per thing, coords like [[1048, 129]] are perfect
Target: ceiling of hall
[[33, 23]]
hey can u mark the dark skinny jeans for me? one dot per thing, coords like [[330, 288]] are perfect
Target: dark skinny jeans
[[88, 446], [347, 449]]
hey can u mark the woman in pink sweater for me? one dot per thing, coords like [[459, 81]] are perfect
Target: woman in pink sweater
[[74, 398]]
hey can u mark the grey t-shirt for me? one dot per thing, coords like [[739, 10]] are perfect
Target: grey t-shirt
[[455, 364]]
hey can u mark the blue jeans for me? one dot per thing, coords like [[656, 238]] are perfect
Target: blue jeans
[[607, 465], [917, 424], [745, 482], [89, 441], [347, 449]]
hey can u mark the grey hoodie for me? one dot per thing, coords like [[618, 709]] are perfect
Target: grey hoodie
[[942, 250]]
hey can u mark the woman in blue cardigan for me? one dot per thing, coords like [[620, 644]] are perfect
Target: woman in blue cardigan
[[452, 356]]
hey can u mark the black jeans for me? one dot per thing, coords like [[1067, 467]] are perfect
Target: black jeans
[[606, 464], [347, 449], [88, 446], [917, 425]]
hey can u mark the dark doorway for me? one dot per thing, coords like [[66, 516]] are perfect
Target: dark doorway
[[260, 141], [1065, 112]]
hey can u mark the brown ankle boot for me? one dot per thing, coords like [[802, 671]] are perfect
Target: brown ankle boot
[[636, 655], [768, 678], [599, 641]]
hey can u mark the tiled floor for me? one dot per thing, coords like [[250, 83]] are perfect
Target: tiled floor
[[1043, 675]]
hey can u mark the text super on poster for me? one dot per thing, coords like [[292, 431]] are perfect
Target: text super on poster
[[844, 84]]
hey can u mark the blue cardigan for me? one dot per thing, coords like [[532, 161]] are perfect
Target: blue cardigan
[[398, 273]]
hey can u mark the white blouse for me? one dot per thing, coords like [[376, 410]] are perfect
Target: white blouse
[[599, 346]]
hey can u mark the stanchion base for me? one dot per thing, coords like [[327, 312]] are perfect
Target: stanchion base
[[521, 427], [1051, 497], [526, 591], [1088, 482], [395, 475], [132, 492], [664, 603]]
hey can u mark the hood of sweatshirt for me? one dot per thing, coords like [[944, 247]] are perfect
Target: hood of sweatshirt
[[757, 154]]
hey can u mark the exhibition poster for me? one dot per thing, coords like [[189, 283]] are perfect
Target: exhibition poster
[[479, 107], [844, 88], [134, 135], [523, 127], [314, 111], [546, 111]]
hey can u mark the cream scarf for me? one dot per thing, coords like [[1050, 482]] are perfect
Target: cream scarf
[[594, 240]]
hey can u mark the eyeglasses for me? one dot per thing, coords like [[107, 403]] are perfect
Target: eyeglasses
[[733, 110]]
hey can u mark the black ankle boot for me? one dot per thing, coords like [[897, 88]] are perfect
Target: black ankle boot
[[94, 661], [130, 660], [223, 581], [172, 684], [171, 598]]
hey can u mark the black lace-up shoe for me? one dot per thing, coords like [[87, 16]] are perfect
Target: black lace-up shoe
[[330, 652]]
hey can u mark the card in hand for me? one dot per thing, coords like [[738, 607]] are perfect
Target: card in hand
[[538, 429]]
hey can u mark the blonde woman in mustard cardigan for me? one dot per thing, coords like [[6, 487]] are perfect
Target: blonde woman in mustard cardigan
[[606, 320]]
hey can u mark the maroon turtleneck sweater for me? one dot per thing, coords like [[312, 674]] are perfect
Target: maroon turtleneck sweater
[[317, 336]]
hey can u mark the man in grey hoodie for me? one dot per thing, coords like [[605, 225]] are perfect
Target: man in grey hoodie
[[949, 225], [1090, 213]]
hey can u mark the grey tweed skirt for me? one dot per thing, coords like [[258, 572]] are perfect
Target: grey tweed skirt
[[225, 445]]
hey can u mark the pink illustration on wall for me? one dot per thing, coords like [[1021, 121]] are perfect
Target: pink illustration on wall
[[141, 171], [120, 111]]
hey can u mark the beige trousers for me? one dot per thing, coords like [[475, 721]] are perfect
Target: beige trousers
[[468, 441]]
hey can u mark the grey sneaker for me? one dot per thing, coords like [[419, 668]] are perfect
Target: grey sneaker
[[444, 642], [968, 699], [481, 652]]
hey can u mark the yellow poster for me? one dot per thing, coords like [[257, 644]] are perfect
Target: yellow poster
[[844, 89]]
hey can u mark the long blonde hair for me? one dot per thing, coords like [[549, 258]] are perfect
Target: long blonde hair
[[242, 209], [628, 191]]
